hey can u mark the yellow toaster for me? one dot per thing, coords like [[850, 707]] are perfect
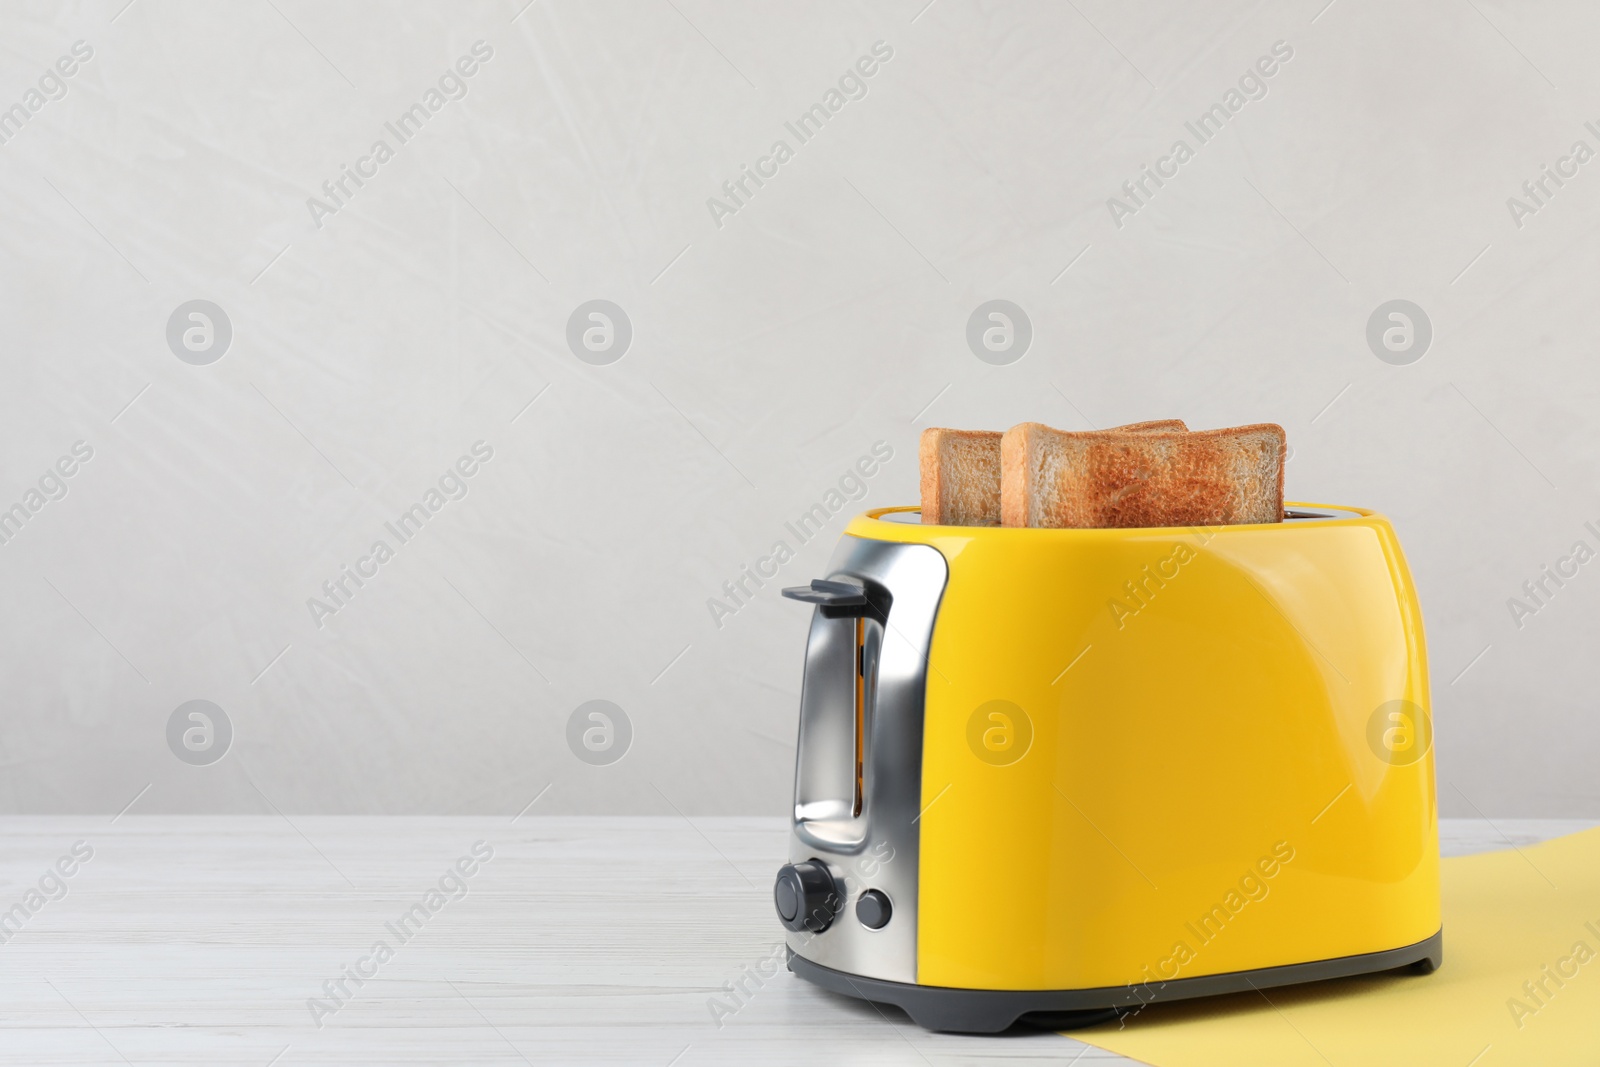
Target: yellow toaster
[[1056, 775]]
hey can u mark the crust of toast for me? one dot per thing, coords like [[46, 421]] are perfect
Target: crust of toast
[[1114, 478], [1153, 426], [960, 472]]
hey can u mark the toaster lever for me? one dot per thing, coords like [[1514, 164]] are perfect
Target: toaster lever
[[846, 596]]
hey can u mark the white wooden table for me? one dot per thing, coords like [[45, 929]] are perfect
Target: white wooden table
[[200, 940]]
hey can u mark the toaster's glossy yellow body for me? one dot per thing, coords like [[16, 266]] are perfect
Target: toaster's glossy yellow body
[[1202, 710], [1152, 755]]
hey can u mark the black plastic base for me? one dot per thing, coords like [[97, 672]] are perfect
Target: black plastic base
[[989, 1011]]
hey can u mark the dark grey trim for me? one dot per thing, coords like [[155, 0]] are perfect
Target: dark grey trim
[[989, 1011]]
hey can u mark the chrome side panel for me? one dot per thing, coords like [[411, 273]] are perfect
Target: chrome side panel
[[879, 848]]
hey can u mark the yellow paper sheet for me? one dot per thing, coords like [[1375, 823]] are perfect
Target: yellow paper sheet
[[1530, 916]]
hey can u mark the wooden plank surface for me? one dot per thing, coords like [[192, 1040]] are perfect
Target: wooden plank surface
[[201, 940]]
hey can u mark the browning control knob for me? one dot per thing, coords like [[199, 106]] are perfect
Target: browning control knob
[[806, 896]]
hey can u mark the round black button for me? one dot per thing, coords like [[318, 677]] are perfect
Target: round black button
[[806, 897], [873, 909]]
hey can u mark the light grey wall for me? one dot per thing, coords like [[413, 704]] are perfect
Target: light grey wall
[[772, 347]]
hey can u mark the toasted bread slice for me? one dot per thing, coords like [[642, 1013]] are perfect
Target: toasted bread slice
[[1111, 478], [960, 472]]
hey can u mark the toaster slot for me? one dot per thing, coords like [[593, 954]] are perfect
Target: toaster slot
[[838, 692], [861, 709], [869, 643]]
